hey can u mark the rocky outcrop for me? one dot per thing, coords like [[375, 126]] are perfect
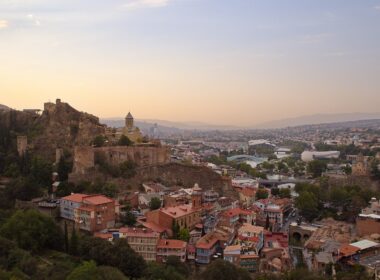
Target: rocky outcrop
[[58, 126], [169, 174]]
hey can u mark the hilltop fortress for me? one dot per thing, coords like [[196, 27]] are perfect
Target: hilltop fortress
[[61, 127]]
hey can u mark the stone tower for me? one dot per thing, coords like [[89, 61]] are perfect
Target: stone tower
[[22, 145], [196, 197], [129, 122]]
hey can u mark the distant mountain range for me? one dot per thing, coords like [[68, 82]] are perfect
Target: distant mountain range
[[170, 126], [318, 119]]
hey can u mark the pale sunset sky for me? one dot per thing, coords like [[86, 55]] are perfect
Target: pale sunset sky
[[233, 62]]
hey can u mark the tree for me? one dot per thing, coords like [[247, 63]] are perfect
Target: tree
[[155, 203], [262, 194], [316, 168], [119, 255], [41, 171], [33, 231], [157, 271], [180, 267], [124, 141], [127, 169], [109, 189], [63, 169], [275, 191], [175, 229], [66, 239], [223, 270], [285, 193], [99, 141], [128, 218], [307, 203], [184, 234], [267, 222], [73, 249], [89, 270]]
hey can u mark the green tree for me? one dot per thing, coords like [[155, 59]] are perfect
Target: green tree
[[157, 271], [41, 171], [128, 218], [89, 270], [66, 238], [307, 203], [155, 203], [124, 141], [109, 189], [316, 168], [63, 169], [73, 248], [223, 270], [262, 194], [99, 141], [175, 229], [275, 191], [184, 234], [128, 169], [33, 231], [285, 193]]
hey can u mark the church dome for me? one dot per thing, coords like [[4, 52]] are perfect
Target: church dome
[[196, 188], [129, 116]]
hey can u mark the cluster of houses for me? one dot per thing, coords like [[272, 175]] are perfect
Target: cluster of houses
[[238, 230]]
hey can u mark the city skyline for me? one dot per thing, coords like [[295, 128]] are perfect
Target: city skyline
[[241, 64]]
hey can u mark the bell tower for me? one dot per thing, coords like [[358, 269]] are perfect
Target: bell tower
[[196, 197], [129, 121]]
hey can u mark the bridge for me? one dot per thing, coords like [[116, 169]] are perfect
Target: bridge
[[276, 182], [242, 158]]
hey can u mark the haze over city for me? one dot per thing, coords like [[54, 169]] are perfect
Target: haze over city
[[222, 62]]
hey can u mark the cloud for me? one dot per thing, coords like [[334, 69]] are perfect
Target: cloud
[[34, 19], [3, 24], [315, 38], [135, 4]]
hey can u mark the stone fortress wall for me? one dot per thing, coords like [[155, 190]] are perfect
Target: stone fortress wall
[[142, 156]]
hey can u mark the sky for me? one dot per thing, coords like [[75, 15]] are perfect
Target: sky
[[231, 62]]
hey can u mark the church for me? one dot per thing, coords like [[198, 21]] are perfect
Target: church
[[129, 130]]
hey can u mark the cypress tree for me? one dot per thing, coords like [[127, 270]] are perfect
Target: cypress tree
[[66, 239], [73, 250]]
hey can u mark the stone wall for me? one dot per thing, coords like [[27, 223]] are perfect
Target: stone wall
[[142, 156], [83, 159], [186, 175], [84, 156]]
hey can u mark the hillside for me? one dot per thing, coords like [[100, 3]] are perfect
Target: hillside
[[59, 126]]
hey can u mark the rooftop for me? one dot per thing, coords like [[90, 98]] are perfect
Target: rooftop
[[171, 243], [75, 197], [364, 244], [178, 211], [97, 199], [251, 228], [138, 232]]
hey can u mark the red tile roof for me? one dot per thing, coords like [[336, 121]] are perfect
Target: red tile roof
[[153, 226], [97, 199], [75, 197], [207, 244], [138, 232], [235, 212], [171, 243], [87, 198], [248, 192], [178, 211], [348, 250]]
